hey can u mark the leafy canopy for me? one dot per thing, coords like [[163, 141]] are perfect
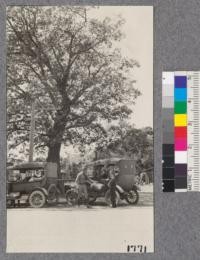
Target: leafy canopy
[[65, 62]]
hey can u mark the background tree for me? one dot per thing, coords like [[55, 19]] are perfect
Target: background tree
[[124, 140], [65, 62]]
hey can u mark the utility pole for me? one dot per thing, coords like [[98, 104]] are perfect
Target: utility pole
[[32, 130]]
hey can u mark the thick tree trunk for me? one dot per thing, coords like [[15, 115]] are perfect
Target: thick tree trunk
[[55, 141], [54, 155]]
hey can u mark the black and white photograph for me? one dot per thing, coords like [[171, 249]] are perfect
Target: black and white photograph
[[80, 170]]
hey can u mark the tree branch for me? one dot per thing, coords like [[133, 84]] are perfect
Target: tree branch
[[57, 59], [44, 83], [82, 124]]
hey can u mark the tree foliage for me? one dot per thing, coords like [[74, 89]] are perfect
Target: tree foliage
[[65, 62], [126, 141]]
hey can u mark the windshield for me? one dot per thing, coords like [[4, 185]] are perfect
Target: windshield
[[25, 175]]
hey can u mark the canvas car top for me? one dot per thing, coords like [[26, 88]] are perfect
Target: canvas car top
[[29, 165], [108, 161]]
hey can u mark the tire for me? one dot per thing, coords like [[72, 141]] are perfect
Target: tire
[[10, 204], [37, 199], [108, 200], [72, 197], [132, 197]]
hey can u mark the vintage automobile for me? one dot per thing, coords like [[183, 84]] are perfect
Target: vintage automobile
[[99, 171], [34, 183]]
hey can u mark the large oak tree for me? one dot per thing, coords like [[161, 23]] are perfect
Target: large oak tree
[[64, 62]]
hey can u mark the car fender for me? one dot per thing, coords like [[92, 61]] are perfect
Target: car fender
[[53, 186], [41, 189], [119, 189]]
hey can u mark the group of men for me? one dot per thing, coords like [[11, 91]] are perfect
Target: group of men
[[83, 180]]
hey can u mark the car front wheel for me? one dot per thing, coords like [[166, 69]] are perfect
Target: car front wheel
[[37, 199]]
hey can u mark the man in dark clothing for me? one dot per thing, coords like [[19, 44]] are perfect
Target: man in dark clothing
[[112, 185]]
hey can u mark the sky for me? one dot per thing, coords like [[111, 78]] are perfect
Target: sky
[[137, 44]]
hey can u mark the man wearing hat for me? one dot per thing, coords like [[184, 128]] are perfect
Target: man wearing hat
[[112, 184], [82, 180]]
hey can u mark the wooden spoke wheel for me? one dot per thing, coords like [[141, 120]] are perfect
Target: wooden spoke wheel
[[37, 199]]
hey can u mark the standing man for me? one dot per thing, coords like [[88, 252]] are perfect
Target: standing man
[[112, 185], [82, 180]]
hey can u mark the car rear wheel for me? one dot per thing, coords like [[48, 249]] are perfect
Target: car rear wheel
[[10, 203], [37, 199], [72, 197], [132, 197]]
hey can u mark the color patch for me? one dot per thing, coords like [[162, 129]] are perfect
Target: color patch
[[180, 107], [180, 132], [168, 91], [180, 157], [168, 137], [168, 113], [180, 81], [168, 149], [181, 182], [168, 161], [168, 102], [168, 185], [180, 144], [180, 120], [180, 94], [180, 169], [168, 173], [168, 125]]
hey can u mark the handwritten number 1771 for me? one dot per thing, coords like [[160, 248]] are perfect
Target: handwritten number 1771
[[136, 249]]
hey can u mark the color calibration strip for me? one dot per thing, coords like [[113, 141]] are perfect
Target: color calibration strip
[[180, 131], [181, 137], [168, 132]]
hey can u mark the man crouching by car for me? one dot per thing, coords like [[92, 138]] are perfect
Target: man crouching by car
[[82, 181]]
